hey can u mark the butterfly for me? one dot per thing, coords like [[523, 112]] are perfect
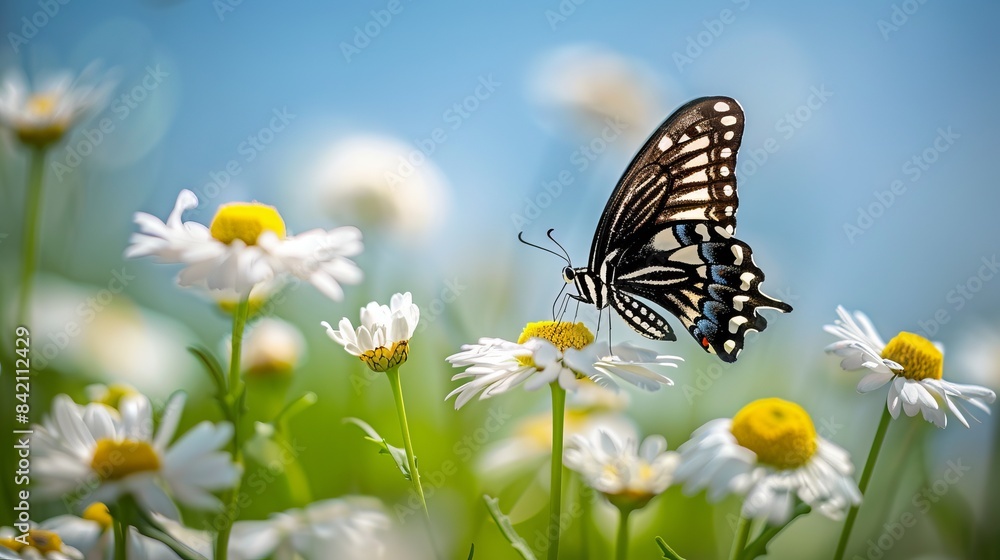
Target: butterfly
[[666, 235]]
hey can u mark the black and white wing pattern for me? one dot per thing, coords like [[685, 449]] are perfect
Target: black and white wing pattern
[[666, 234]]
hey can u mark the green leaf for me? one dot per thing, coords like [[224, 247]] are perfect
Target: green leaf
[[507, 528], [472, 551], [212, 366], [398, 454], [667, 551]]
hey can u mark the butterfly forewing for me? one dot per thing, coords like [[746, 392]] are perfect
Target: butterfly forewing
[[666, 234], [685, 171]]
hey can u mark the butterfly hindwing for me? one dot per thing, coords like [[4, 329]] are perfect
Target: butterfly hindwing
[[641, 318], [705, 277]]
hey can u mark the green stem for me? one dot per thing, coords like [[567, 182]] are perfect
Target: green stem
[[758, 547], [740, 540], [32, 215], [234, 400], [555, 492], [411, 458], [29, 256], [121, 539], [621, 549], [866, 476]]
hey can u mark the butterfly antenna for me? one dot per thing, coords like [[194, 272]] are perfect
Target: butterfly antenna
[[565, 252], [520, 237]]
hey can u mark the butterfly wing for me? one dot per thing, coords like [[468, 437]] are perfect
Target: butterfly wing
[[685, 171], [666, 233], [706, 278]]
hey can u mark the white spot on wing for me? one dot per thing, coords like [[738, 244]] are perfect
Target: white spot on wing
[[721, 106], [735, 322], [689, 214], [725, 152], [665, 143], [724, 171], [738, 302], [687, 255], [700, 144], [729, 135], [699, 177], [746, 278], [738, 253], [727, 190], [697, 195], [665, 240], [697, 161], [728, 120], [730, 345], [702, 230]]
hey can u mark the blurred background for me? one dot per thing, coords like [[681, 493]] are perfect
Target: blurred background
[[442, 130]]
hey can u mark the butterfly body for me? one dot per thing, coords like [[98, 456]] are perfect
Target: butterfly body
[[666, 236]]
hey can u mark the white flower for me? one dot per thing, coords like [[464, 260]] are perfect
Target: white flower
[[272, 346], [95, 453], [122, 342], [912, 364], [93, 535], [627, 473], [43, 115], [593, 88], [245, 245], [382, 339], [349, 528], [384, 183], [626, 361], [771, 453], [36, 544], [530, 442], [551, 352]]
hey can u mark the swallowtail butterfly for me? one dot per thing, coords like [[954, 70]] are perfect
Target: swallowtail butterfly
[[666, 235]]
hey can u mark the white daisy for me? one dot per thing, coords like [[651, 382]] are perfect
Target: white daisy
[[95, 453], [122, 342], [548, 352], [627, 473], [383, 338], [912, 364], [530, 441], [36, 544], [770, 452], [272, 347], [42, 115], [93, 535], [385, 184], [350, 528], [245, 245], [590, 88]]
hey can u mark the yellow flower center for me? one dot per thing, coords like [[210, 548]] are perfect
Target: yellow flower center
[[42, 541], [779, 432], [115, 460], [114, 394], [47, 129], [246, 221], [382, 359], [562, 335], [98, 513], [918, 356], [42, 104]]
